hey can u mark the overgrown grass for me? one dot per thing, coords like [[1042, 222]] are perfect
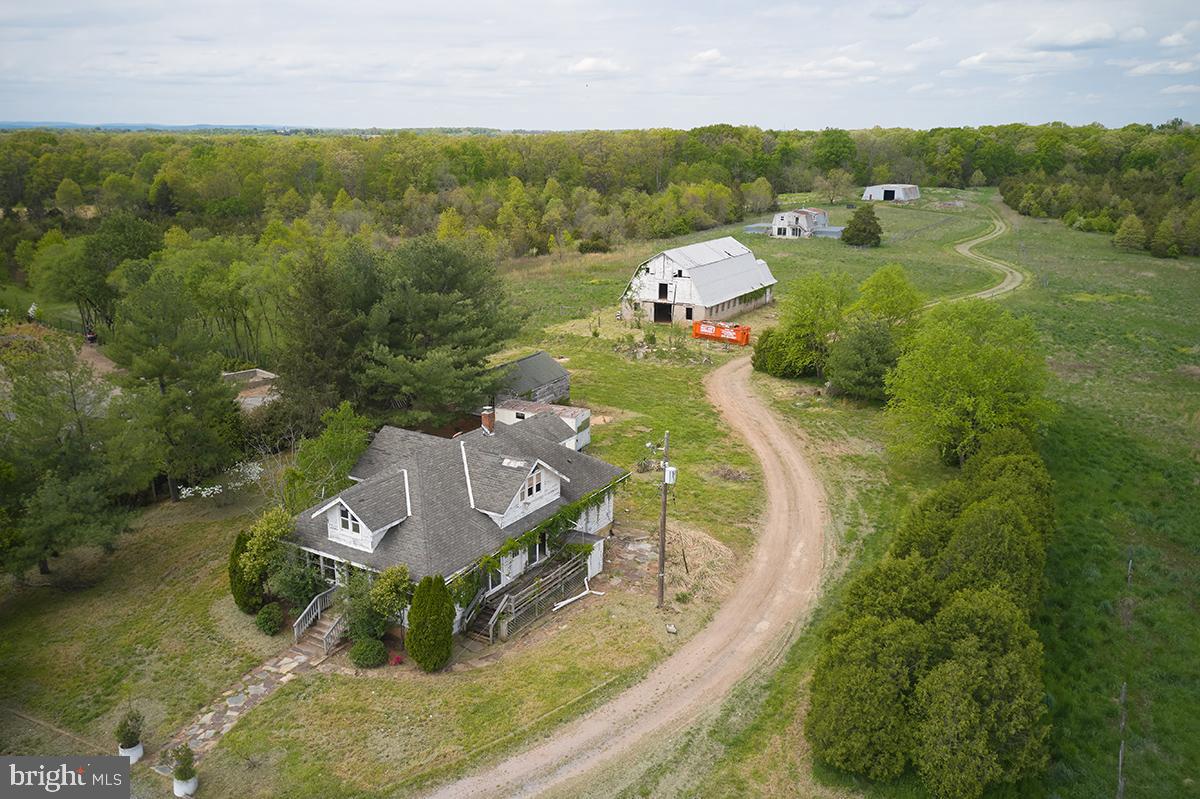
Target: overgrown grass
[[1122, 332], [151, 625]]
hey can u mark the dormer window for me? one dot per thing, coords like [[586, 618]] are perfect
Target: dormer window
[[347, 520], [533, 484]]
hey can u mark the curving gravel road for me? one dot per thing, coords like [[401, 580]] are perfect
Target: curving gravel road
[[781, 583], [772, 597]]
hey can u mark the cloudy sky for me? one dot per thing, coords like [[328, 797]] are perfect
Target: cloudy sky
[[568, 64]]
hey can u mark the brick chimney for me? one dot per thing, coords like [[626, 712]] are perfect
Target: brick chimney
[[487, 417]]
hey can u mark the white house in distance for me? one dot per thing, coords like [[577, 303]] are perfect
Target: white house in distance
[[892, 192], [798, 224], [710, 280]]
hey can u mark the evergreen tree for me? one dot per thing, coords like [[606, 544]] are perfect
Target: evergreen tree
[[863, 229], [860, 358], [247, 594], [861, 714], [430, 624], [1131, 235], [1164, 244]]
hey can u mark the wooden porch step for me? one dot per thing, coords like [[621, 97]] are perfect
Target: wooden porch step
[[311, 648]]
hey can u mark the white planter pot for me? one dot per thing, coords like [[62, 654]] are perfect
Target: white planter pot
[[134, 753], [186, 787]]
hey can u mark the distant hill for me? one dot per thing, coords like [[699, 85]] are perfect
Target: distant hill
[[282, 129]]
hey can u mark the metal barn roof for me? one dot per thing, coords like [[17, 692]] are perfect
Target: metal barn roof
[[721, 269]]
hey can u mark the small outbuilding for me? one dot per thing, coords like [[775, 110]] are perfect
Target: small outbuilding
[[892, 192], [798, 224], [537, 377], [710, 280]]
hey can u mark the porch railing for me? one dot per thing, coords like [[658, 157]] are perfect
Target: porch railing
[[311, 613], [335, 633], [529, 603], [472, 609]]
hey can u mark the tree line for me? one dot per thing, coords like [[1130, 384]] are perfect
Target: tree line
[[537, 193], [931, 663]]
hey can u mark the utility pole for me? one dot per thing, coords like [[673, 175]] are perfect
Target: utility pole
[[662, 524]]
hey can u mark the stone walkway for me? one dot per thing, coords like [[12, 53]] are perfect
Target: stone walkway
[[219, 717]]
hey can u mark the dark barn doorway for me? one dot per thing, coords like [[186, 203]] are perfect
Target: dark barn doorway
[[662, 312], [889, 194]]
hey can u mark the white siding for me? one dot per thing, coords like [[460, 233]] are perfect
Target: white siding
[[364, 539], [596, 559], [520, 507], [598, 517]]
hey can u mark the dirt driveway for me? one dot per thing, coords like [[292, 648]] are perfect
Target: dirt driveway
[[772, 597]]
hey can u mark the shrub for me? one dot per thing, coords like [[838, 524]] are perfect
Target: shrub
[[264, 551], [297, 580], [247, 594], [861, 357], [781, 352], [363, 621], [994, 444], [860, 718], [430, 624], [391, 592], [928, 524], [270, 619], [129, 729], [994, 546], [863, 230], [185, 762], [594, 244], [367, 653]]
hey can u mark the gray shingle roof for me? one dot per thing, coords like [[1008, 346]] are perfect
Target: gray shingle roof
[[549, 425], [531, 372], [444, 534]]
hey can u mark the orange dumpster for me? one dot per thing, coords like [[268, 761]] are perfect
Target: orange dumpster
[[727, 332]]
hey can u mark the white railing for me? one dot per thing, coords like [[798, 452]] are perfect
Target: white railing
[[472, 608], [335, 633], [311, 613]]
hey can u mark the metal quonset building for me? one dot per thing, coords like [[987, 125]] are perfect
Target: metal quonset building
[[889, 192], [710, 280]]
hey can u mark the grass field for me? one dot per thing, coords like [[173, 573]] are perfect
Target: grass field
[[152, 625], [1122, 331]]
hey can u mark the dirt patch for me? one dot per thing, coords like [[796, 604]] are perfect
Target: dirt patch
[[1070, 370], [726, 472], [1189, 370], [101, 363]]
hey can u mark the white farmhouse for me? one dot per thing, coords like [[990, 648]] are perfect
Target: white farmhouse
[[798, 224], [888, 192], [493, 510], [710, 280]]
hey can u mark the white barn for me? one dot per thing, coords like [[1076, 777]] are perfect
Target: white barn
[[889, 192], [710, 280], [798, 224]]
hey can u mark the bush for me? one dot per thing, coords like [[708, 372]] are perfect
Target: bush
[[780, 352], [861, 713], [430, 624], [129, 730], [247, 594], [861, 357], [391, 592], [367, 653], [297, 580], [270, 619], [594, 244], [363, 621], [928, 524], [185, 762]]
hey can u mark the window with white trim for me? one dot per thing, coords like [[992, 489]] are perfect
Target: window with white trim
[[533, 484], [348, 520]]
